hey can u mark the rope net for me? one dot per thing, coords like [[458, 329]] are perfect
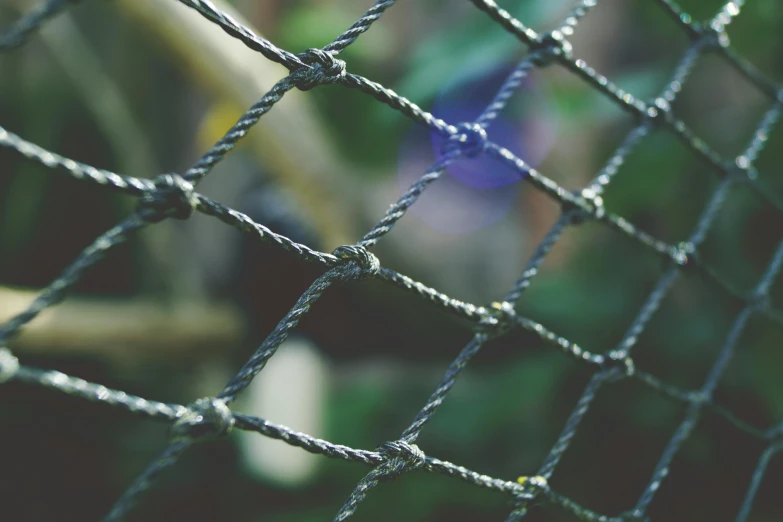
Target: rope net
[[175, 196]]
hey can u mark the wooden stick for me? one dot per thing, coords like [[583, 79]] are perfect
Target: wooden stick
[[123, 331]]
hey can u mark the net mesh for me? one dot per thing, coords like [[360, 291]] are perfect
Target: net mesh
[[174, 196]]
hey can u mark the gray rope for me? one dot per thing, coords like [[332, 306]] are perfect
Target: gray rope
[[755, 481], [357, 264], [361, 25], [321, 68], [206, 9], [16, 35], [398, 456], [56, 290], [206, 419], [146, 479], [76, 170], [173, 197]]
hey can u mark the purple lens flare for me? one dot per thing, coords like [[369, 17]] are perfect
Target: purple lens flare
[[477, 191]]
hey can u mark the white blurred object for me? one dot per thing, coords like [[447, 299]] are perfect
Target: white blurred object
[[291, 390]]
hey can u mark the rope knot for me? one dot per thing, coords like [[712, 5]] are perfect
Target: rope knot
[[550, 47], [698, 397], [659, 110], [366, 262], [619, 359], [321, 67], [470, 139], [499, 318], [207, 418], [409, 456], [174, 196], [742, 169], [586, 205], [715, 32], [533, 486], [9, 365], [760, 301], [684, 255]]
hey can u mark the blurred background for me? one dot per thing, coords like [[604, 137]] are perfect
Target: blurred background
[[142, 87]]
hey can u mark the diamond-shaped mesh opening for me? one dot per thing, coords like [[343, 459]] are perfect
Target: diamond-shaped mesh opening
[[655, 199], [637, 67], [580, 308], [575, 155], [720, 105], [53, 239], [686, 333], [714, 458], [610, 461], [747, 232], [511, 434], [453, 216]]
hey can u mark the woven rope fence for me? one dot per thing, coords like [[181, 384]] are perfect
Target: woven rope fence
[[174, 196]]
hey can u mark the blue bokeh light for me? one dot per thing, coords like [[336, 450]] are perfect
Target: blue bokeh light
[[475, 192]]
